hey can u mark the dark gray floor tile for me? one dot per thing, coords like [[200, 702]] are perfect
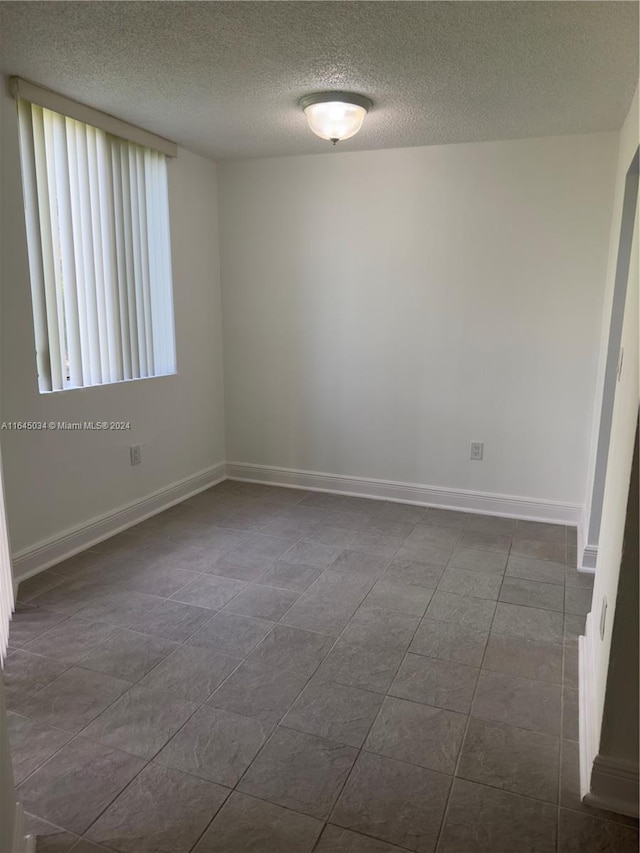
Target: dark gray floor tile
[[245, 824], [292, 648], [571, 666], [300, 772], [72, 639], [360, 563], [161, 811], [29, 622], [528, 622], [311, 554], [542, 530], [570, 787], [140, 722], [435, 682], [461, 609], [293, 576], [173, 621], [476, 584], [263, 602], [382, 627], [36, 584], [581, 833], [570, 713], [418, 734], [485, 541], [574, 627], [545, 596], [413, 573], [32, 744], [335, 711], [393, 801], [70, 597], [261, 692], [555, 552], [290, 528], [325, 534], [518, 702], [26, 674], [229, 634], [434, 555], [128, 655], [426, 534], [437, 517], [541, 571], [86, 846], [364, 665], [259, 549], [385, 527], [190, 673], [526, 658], [484, 820], [209, 591], [491, 524], [119, 606], [337, 840], [574, 578], [77, 784], [157, 578], [392, 511], [578, 601], [226, 567], [50, 838], [512, 759], [476, 560], [74, 699], [329, 603], [403, 598], [77, 564], [450, 641]]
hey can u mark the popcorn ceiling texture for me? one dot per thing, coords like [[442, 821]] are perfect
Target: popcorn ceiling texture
[[223, 78]]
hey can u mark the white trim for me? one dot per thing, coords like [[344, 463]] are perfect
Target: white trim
[[589, 559], [32, 560], [21, 843], [413, 493], [20, 88], [587, 734]]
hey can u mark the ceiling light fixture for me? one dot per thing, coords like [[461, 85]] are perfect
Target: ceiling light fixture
[[335, 115]]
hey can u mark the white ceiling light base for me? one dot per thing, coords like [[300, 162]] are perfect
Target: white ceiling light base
[[335, 115]]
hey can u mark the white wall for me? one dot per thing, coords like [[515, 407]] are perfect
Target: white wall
[[57, 481], [382, 309]]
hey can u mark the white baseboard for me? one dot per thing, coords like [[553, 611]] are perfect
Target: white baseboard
[[605, 782], [32, 560], [587, 734], [589, 559], [468, 501], [21, 843]]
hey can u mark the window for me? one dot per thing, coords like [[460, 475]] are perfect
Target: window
[[97, 217]]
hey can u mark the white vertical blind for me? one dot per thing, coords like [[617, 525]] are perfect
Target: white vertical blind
[[97, 215]]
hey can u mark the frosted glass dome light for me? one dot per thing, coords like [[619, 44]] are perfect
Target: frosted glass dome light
[[335, 115]]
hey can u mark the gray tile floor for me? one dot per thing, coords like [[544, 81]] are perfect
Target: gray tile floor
[[270, 670]]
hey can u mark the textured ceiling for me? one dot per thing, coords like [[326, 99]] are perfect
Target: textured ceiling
[[223, 78]]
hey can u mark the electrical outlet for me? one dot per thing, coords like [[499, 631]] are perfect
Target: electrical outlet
[[603, 617], [136, 454], [477, 450]]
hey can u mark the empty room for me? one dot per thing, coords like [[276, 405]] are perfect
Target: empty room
[[319, 394]]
